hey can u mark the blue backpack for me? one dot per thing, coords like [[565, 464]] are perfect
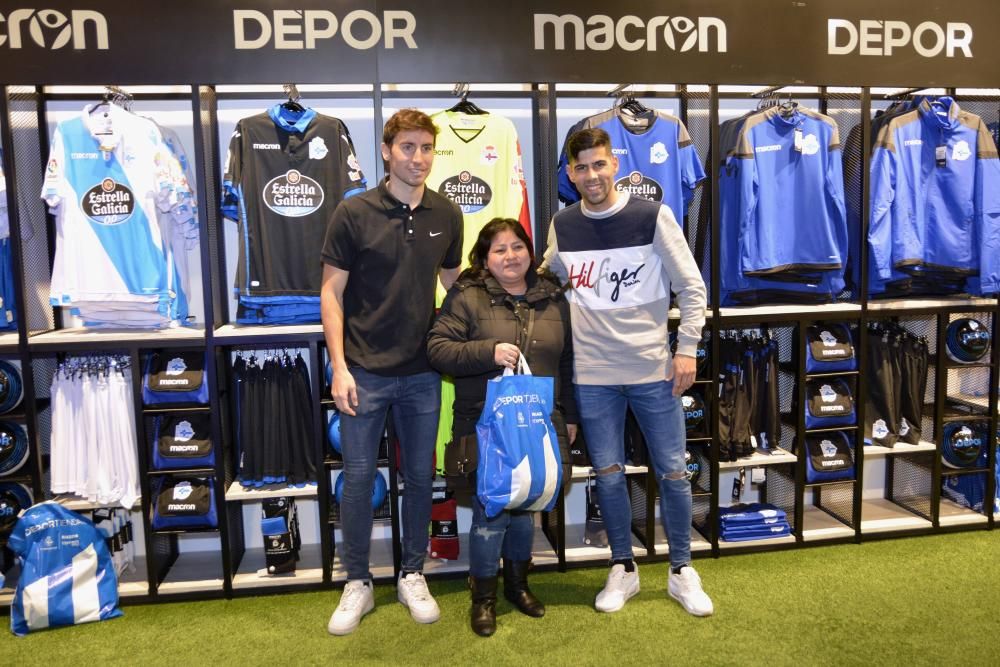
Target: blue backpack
[[829, 457], [184, 503], [182, 441], [67, 575], [175, 378], [829, 403], [829, 349]]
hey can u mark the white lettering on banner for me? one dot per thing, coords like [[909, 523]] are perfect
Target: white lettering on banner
[[302, 29], [516, 399], [53, 30], [880, 38], [601, 32]]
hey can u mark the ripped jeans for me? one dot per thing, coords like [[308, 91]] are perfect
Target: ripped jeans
[[508, 534], [661, 418]]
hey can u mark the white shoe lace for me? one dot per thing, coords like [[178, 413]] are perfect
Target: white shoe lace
[[616, 580], [689, 580], [352, 597], [416, 587]]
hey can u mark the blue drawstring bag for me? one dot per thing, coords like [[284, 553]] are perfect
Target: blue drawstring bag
[[67, 575], [519, 463]]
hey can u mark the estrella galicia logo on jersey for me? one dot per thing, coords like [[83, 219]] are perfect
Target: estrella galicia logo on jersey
[[469, 192], [961, 151], [184, 431], [109, 203], [658, 153], [51, 29], [293, 194], [640, 186]]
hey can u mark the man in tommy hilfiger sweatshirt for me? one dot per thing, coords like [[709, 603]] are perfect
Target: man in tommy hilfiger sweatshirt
[[622, 256]]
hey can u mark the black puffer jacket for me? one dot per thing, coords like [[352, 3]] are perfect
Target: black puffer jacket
[[476, 315]]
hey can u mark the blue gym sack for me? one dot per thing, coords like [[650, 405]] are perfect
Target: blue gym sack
[[174, 378]]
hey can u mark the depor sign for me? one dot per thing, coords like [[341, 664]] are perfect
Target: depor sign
[[869, 37], [303, 29]]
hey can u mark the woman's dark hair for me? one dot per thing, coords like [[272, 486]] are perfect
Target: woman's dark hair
[[481, 250]]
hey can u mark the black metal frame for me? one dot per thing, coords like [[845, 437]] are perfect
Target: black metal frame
[[162, 546]]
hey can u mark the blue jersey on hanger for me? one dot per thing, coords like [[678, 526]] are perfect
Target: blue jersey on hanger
[[935, 197], [656, 159]]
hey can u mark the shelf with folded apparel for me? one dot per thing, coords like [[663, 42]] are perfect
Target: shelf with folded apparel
[[237, 492], [759, 458], [930, 306], [255, 334], [83, 338], [730, 315]]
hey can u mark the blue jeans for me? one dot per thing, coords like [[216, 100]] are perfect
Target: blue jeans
[[661, 418], [509, 534], [416, 403]]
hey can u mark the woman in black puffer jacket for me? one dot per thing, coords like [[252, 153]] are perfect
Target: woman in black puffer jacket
[[482, 328]]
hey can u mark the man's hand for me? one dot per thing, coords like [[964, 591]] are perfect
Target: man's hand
[[505, 354], [685, 368], [571, 430], [344, 392]]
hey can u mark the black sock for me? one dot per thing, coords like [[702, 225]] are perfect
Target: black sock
[[677, 570], [627, 562]]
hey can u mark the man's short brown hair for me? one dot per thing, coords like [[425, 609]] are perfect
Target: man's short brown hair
[[407, 119], [585, 140]]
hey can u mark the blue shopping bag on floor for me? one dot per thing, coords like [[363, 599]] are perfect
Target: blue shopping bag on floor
[[519, 463]]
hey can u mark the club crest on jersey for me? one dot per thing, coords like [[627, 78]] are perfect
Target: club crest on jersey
[[293, 194], [961, 151], [184, 431], [489, 155], [318, 149], [810, 145], [352, 162], [109, 203], [470, 193], [640, 186], [658, 153]]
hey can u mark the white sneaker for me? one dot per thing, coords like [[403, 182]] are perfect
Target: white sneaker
[[357, 600], [686, 589], [412, 592], [620, 586]]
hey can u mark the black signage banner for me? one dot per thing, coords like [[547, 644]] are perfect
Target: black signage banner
[[848, 42]]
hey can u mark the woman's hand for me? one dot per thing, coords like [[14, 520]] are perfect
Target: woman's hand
[[571, 432], [505, 354]]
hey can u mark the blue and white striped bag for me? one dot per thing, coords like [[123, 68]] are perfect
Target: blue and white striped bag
[[67, 575], [519, 463]]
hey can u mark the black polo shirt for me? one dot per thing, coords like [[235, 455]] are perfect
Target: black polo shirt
[[393, 254]]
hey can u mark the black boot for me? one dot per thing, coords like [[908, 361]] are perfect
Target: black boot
[[483, 614], [515, 588]]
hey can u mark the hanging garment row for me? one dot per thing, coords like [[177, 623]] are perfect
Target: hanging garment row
[[94, 450], [749, 408], [935, 201], [896, 370], [273, 419], [8, 310], [126, 219]]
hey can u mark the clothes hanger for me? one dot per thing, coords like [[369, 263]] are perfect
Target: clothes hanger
[[464, 105], [292, 93]]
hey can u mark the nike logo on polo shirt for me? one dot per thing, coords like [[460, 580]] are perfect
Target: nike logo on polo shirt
[[433, 234]]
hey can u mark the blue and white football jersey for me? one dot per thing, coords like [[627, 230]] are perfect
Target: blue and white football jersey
[[67, 574], [109, 179], [656, 158]]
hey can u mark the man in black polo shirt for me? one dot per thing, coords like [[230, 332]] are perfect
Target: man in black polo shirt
[[384, 252]]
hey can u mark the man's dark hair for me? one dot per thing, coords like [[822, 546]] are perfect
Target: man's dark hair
[[585, 140], [407, 119]]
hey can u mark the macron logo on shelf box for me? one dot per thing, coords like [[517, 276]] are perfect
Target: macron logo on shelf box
[[298, 29]]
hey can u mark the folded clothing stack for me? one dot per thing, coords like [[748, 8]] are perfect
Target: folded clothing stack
[[754, 521]]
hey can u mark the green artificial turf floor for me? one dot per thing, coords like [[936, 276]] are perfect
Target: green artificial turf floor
[[927, 600]]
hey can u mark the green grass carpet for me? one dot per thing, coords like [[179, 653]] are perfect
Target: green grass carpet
[[929, 600]]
